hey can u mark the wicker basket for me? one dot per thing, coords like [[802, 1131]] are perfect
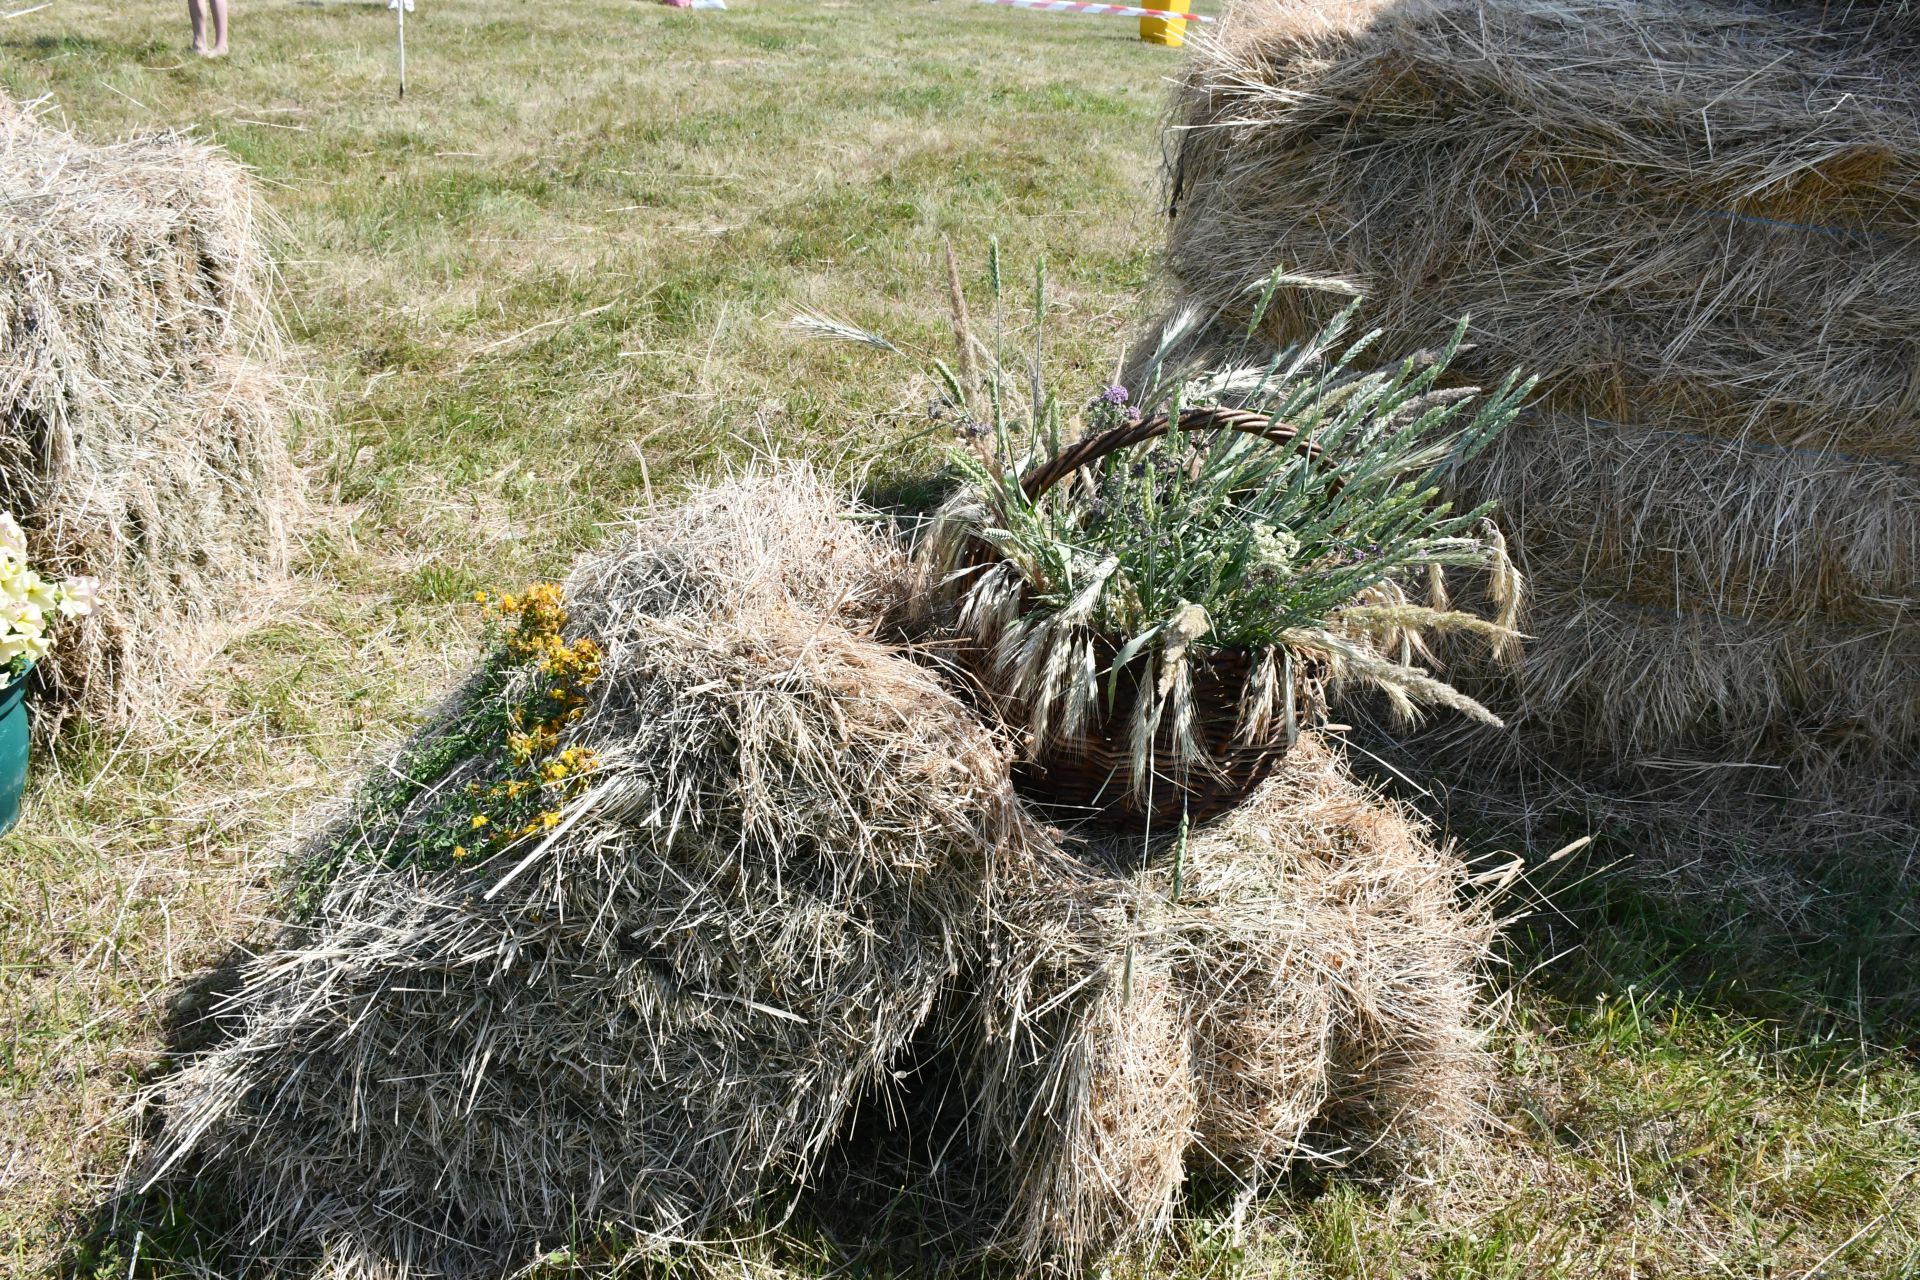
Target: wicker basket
[[1088, 775]]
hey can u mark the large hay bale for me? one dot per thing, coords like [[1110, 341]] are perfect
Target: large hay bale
[[142, 411], [1700, 223], [658, 1025], [1305, 990]]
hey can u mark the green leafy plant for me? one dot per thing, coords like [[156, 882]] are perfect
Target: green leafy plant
[[1314, 538]]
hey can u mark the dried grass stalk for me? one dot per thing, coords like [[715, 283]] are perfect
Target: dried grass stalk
[[1613, 682], [142, 402], [1704, 525], [1701, 226], [1707, 217]]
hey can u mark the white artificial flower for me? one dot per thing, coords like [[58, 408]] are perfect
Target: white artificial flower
[[28, 602], [79, 596], [23, 631], [25, 619]]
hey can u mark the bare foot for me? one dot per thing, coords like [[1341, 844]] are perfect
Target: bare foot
[[219, 50]]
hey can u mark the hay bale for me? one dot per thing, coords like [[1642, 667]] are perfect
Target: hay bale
[[1084, 1086], [142, 406], [1701, 225], [1309, 996], [658, 1025]]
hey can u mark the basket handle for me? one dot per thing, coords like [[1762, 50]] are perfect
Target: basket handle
[[1093, 448]]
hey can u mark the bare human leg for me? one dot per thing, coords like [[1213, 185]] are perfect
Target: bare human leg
[[217, 46]]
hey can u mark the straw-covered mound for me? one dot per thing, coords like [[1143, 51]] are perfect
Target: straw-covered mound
[[1700, 224], [1298, 984], [654, 1018], [787, 872], [142, 410]]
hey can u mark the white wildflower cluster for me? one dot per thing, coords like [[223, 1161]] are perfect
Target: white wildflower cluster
[[29, 603], [1274, 547]]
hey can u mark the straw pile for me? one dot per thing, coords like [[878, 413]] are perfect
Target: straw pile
[[800, 866], [1701, 225], [1302, 988], [658, 1025], [141, 407]]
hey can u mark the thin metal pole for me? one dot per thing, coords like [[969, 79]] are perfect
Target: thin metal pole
[[400, 12]]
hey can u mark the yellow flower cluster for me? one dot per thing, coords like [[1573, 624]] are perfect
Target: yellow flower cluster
[[526, 746], [549, 774], [539, 618], [570, 763]]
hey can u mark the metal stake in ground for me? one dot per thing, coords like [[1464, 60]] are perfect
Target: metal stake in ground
[[400, 8]]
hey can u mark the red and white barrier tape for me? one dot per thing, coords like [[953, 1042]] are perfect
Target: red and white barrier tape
[[1110, 10]]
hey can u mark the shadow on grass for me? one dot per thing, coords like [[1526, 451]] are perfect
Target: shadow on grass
[[175, 1231], [909, 497], [1787, 914], [65, 44], [181, 1228]]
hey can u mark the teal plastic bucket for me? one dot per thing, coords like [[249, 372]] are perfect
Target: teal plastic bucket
[[13, 749]]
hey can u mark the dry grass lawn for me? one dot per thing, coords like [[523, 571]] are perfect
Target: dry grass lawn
[[554, 279]]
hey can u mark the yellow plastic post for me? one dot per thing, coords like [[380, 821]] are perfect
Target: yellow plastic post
[[1167, 31]]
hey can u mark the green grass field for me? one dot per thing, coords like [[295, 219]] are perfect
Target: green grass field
[[555, 278]]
